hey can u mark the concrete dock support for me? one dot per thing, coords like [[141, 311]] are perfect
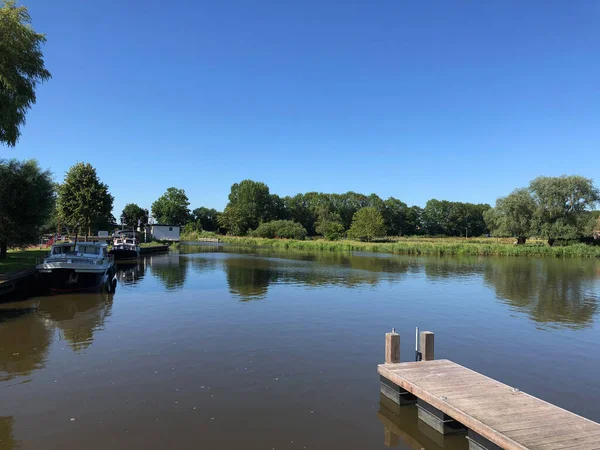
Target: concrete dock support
[[437, 420]]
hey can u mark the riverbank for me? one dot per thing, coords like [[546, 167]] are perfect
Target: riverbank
[[427, 246], [18, 260]]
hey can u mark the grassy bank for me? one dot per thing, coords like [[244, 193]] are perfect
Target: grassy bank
[[19, 260], [427, 246]]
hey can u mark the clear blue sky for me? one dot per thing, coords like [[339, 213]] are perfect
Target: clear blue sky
[[456, 100]]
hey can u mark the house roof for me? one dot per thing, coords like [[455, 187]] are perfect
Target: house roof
[[164, 225]]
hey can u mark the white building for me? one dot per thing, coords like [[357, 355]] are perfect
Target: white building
[[165, 232]]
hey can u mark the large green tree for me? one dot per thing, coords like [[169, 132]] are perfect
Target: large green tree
[[512, 215], [84, 202], [395, 215], [563, 207], [26, 202], [250, 203], [21, 68], [133, 214], [367, 224], [172, 207]]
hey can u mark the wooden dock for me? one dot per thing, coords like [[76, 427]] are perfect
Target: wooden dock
[[16, 282], [451, 398]]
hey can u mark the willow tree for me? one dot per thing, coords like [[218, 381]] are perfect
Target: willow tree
[[21, 69], [564, 206], [83, 200]]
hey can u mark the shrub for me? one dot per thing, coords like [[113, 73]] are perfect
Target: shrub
[[367, 224], [332, 230], [282, 229]]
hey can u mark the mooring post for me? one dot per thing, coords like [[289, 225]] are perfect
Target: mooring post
[[392, 347], [426, 344]]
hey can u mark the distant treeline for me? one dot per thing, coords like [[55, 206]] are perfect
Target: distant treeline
[[251, 204]]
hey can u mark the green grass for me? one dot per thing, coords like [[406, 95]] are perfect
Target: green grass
[[427, 246], [19, 260], [153, 244], [195, 235]]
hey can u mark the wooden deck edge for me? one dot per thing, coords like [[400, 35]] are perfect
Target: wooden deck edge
[[535, 398], [479, 427]]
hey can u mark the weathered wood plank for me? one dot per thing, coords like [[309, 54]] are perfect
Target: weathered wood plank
[[506, 417]]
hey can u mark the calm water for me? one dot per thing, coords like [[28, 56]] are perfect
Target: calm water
[[225, 348]]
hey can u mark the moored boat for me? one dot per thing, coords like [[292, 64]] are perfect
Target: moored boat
[[125, 247], [78, 266]]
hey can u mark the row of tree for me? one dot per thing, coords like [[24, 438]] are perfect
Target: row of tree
[[31, 203]]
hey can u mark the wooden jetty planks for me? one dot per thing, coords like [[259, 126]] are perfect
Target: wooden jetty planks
[[505, 416]]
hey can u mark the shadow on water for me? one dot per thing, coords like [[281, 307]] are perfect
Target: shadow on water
[[402, 427], [77, 317], [7, 440], [552, 292]]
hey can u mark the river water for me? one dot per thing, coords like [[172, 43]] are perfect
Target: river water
[[218, 347]]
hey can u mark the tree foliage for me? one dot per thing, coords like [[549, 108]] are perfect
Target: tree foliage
[[280, 229], [172, 207], [512, 215], [551, 208], [367, 224], [83, 200], [330, 226], [563, 207], [441, 217], [21, 69], [133, 214], [250, 203], [206, 219], [26, 201]]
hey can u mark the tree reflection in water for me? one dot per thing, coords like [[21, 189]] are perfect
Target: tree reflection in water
[[77, 317], [552, 292], [24, 342], [170, 269]]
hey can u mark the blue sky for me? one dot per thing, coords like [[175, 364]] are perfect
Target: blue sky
[[453, 100]]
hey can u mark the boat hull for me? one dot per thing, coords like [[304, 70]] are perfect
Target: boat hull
[[121, 253], [69, 280]]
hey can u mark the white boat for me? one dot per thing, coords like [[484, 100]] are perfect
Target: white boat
[[125, 247], [78, 266]]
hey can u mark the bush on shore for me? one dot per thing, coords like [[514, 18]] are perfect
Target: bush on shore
[[280, 229]]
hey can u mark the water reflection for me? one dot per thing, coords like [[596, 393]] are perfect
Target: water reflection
[[77, 317], [7, 440], [552, 292], [131, 273], [24, 342], [170, 269], [249, 277], [401, 425]]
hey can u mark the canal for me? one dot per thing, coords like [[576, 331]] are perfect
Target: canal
[[223, 347]]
